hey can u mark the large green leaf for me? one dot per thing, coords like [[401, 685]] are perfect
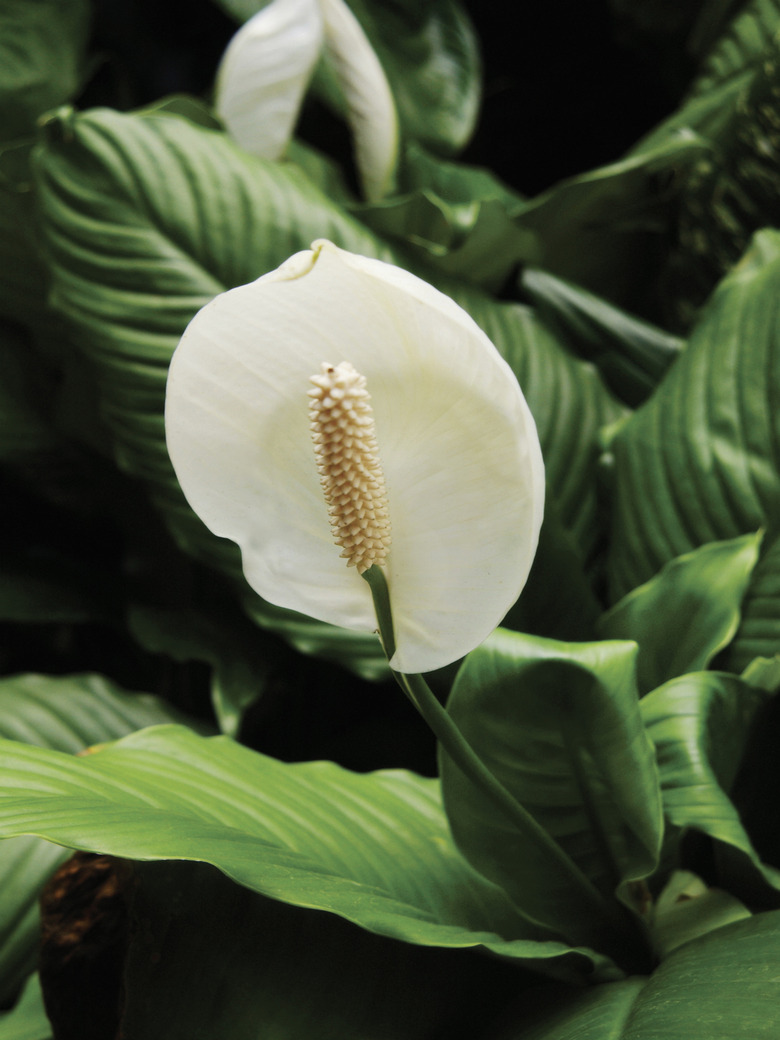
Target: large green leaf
[[631, 355], [373, 848], [42, 45], [722, 986], [699, 462], [558, 725], [67, 713], [688, 612], [276, 971], [700, 724], [603, 229], [569, 402]]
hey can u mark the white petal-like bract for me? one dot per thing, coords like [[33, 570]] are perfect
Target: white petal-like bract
[[458, 446], [370, 106], [264, 74]]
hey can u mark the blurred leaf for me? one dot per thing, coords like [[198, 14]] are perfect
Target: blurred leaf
[[758, 634], [459, 219], [700, 724], [71, 713], [721, 986], [763, 672], [558, 725], [237, 652], [738, 36], [698, 462], [242, 10], [631, 355], [27, 1020], [741, 46], [604, 229], [68, 714], [276, 971], [557, 601], [731, 192], [688, 612], [25, 866], [372, 848], [22, 273], [23, 428], [570, 405], [686, 909], [42, 45]]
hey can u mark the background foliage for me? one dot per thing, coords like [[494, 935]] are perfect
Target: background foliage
[[599, 190]]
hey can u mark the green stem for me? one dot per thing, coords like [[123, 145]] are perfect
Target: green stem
[[465, 758], [458, 748]]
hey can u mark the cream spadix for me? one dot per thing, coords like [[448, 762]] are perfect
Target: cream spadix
[[342, 425], [460, 457]]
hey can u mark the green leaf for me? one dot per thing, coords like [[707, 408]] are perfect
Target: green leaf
[[698, 462], [723, 199], [459, 220], [569, 402], [23, 278], [372, 848], [631, 355], [688, 612], [558, 725], [741, 47], [42, 45], [700, 724], [69, 714], [236, 651], [721, 986], [271, 970], [27, 1020], [23, 428], [557, 601], [25, 866], [758, 634], [602, 229]]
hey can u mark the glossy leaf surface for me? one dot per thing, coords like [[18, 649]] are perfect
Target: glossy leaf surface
[[558, 724], [373, 848]]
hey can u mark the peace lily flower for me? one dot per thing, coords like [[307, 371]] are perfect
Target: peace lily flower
[[267, 67], [341, 411]]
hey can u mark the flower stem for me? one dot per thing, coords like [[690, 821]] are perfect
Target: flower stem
[[610, 915]]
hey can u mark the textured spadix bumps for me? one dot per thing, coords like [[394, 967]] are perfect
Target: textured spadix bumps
[[459, 451], [342, 426]]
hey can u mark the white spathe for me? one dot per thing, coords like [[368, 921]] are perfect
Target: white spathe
[[459, 448], [268, 65], [264, 73]]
